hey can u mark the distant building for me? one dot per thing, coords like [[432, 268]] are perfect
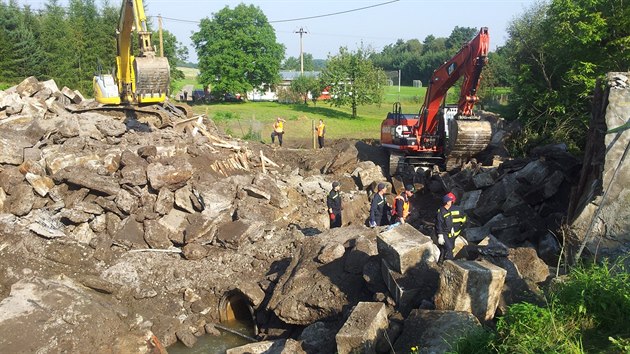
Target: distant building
[[270, 93]]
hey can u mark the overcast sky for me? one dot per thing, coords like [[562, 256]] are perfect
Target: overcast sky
[[376, 26]]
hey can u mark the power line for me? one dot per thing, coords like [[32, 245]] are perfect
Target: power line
[[296, 19]]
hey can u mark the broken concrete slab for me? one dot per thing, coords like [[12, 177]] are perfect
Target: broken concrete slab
[[363, 328], [401, 291], [404, 247], [470, 286]]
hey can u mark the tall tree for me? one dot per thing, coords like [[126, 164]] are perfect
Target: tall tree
[[353, 79], [237, 50], [558, 50], [54, 42]]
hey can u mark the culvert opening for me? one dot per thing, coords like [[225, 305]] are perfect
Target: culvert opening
[[235, 308]]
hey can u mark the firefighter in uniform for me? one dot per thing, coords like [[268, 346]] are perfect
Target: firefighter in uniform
[[400, 212], [333, 201], [278, 130], [449, 223], [321, 131], [379, 207]]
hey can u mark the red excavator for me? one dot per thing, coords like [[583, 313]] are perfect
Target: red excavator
[[431, 138]]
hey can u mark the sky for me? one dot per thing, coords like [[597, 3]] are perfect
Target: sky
[[382, 22]]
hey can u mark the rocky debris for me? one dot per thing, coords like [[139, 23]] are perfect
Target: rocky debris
[[164, 223], [281, 346]]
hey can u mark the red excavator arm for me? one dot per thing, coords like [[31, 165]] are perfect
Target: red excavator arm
[[468, 62]]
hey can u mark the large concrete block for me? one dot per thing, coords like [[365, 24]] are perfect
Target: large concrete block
[[404, 247], [367, 322], [401, 291], [470, 286]]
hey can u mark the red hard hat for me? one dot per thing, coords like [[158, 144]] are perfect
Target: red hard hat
[[449, 196]]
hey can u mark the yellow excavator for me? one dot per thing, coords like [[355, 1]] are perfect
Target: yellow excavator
[[140, 85]]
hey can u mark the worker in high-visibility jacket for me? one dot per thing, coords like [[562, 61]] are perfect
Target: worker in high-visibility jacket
[[321, 131], [278, 130], [449, 224], [400, 212]]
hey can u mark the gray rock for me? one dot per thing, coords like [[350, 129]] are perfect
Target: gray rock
[[49, 84], [195, 251], [28, 87], [46, 232], [75, 216], [359, 255], [256, 192], [549, 249], [3, 198], [21, 200], [147, 151], [84, 178], [186, 336], [330, 252], [11, 151], [483, 180], [156, 235], [171, 176], [126, 202], [83, 233], [183, 199], [99, 223], [41, 184], [529, 265], [165, 201], [111, 127], [319, 337], [69, 127]]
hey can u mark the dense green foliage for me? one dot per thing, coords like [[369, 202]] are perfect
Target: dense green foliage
[[237, 50], [67, 44], [353, 79], [588, 312], [304, 84], [557, 50]]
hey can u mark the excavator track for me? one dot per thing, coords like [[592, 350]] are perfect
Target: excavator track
[[467, 138], [156, 115]]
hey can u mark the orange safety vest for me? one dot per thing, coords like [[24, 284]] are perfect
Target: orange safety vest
[[320, 130], [405, 206], [278, 127]]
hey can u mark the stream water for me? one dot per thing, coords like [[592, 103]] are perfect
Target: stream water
[[208, 344]]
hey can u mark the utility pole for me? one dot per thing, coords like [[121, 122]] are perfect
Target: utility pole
[[160, 32], [301, 31]]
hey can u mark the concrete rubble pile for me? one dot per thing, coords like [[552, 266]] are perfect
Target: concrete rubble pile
[[166, 231]]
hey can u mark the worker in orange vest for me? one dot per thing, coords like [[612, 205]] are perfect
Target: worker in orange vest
[[400, 212], [321, 130], [278, 130]]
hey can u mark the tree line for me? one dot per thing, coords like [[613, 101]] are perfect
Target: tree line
[[68, 44]]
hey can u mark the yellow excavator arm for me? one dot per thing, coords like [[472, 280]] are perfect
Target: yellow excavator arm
[[139, 79]]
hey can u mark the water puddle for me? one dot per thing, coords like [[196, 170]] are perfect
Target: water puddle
[[208, 344]]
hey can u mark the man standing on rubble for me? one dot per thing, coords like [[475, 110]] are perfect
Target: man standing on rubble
[[379, 207], [448, 224], [278, 130], [333, 201], [401, 205]]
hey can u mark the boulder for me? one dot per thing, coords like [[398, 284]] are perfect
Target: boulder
[[11, 150], [195, 251], [234, 234], [85, 178], [164, 202], [529, 265], [280, 346], [111, 127], [28, 87], [359, 255], [41, 184], [434, 331], [319, 338], [172, 176], [21, 200], [364, 327], [183, 199], [330, 252], [156, 235]]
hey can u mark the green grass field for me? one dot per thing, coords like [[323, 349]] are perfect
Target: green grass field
[[253, 119]]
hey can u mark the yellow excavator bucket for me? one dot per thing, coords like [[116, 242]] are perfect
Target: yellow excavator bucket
[[152, 78]]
